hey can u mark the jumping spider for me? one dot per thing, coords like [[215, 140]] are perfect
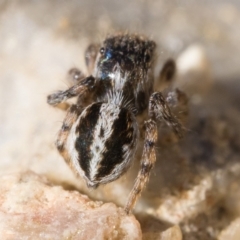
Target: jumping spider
[[99, 134]]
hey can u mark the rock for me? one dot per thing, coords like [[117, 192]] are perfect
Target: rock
[[31, 208], [172, 233], [232, 232], [187, 204], [193, 182], [194, 71], [154, 228]]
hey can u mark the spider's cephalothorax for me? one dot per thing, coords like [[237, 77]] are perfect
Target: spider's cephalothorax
[[99, 135], [125, 64]]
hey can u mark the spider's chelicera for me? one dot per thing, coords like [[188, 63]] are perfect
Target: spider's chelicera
[[99, 134]]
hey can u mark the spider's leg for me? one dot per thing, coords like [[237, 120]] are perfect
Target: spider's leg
[[90, 56], [147, 161], [178, 103], [168, 71], [166, 75], [160, 111], [72, 114], [176, 99], [81, 89], [75, 75]]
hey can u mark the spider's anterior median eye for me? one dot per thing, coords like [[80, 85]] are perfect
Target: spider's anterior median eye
[[108, 54], [102, 50]]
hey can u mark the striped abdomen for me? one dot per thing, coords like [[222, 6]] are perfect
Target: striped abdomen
[[102, 142]]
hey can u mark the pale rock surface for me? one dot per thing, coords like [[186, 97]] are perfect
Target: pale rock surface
[[187, 204], [171, 233], [232, 232], [194, 71], [30, 208], [195, 183]]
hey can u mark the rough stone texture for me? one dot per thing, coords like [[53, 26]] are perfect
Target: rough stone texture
[[195, 182], [232, 232], [170, 233], [30, 208]]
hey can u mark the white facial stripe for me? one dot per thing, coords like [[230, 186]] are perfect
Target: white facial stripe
[[119, 79]]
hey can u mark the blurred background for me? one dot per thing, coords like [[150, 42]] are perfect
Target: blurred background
[[41, 40]]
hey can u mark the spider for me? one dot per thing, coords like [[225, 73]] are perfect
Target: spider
[[99, 134]]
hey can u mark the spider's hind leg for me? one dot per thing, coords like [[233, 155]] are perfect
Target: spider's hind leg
[[61, 143]]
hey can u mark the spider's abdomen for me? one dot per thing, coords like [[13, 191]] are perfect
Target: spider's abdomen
[[102, 142]]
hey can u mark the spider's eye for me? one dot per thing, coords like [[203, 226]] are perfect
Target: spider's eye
[[102, 50], [108, 54]]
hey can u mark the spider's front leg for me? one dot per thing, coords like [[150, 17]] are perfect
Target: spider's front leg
[[81, 89], [82, 85], [74, 74], [178, 103], [160, 111]]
